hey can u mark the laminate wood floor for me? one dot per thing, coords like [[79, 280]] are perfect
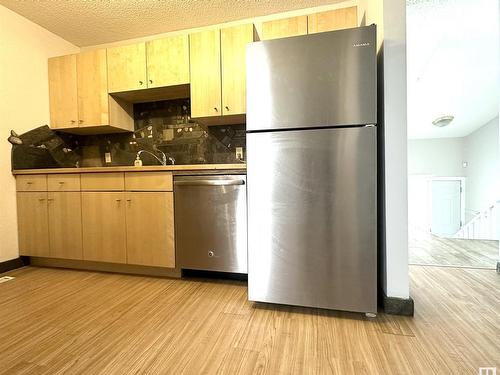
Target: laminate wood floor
[[428, 249], [77, 322]]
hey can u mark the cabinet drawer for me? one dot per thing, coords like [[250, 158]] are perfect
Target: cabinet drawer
[[36, 182], [63, 182], [148, 181], [103, 181]]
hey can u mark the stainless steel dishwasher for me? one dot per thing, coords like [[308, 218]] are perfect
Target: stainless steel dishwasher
[[211, 222]]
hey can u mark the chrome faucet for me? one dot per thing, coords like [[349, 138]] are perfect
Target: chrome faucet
[[162, 161]]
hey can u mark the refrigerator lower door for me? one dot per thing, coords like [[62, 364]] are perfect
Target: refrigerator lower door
[[312, 218]]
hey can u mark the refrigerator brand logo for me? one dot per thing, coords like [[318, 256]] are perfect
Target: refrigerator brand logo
[[361, 44]]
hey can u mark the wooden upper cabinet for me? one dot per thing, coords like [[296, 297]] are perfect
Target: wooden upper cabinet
[[233, 55], [284, 27], [93, 107], [79, 100], [205, 64], [337, 19], [62, 92], [33, 223], [150, 229], [127, 67], [168, 61]]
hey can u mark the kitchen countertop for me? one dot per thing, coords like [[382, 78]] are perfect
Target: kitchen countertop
[[147, 168]]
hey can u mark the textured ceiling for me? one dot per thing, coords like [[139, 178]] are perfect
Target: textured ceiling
[[452, 54], [87, 23]]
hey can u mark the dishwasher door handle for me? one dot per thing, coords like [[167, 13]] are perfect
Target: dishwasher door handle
[[210, 183]]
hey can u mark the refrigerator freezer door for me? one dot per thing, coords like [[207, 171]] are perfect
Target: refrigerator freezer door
[[324, 79], [312, 218]]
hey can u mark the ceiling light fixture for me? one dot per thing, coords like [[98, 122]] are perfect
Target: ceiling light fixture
[[443, 121]]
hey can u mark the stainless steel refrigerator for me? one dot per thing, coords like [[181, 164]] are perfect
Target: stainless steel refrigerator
[[312, 170]]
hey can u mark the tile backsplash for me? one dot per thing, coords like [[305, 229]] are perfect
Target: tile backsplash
[[164, 126]]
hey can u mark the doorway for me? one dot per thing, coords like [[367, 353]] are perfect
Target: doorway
[[446, 206], [453, 133]]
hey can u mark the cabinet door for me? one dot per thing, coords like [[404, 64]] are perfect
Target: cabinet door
[[168, 61], [284, 27], [127, 67], [336, 19], [204, 54], [92, 88], [150, 229], [62, 92], [65, 225], [103, 223], [233, 54], [33, 223]]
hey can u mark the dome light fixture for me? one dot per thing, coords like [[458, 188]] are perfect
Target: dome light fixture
[[443, 121]]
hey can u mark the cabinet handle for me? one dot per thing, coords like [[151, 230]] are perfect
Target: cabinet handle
[[41, 199], [50, 199], [80, 121], [129, 200], [227, 108], [73, 121], [61, 182], [215, 109], [118, 200], [140, 82], [29, 183], [150, 81]]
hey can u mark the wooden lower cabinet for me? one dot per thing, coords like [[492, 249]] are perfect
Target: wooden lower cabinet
[[33, 223], [103, 225], [65, 225], [132, 227], [150, 229]]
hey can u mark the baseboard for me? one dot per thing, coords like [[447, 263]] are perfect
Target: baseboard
[[398, 306], [12, 264], [106, 267]]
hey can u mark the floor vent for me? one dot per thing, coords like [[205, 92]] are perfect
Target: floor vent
[[4, 279]]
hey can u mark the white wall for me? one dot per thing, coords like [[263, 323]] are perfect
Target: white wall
[[480, 150], [441, 157], [390, 17], [24, 50], [395, 128], [419, 202]]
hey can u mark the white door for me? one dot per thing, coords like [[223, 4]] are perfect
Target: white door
[[445, 207]]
